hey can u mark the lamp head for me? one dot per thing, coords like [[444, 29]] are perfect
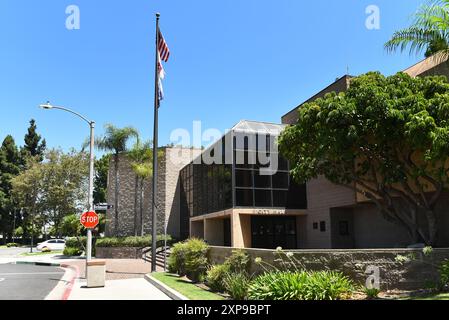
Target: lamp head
[[46, 106]]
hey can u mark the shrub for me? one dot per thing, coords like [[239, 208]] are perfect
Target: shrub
[[444, 273], [176, 261], [75, 246], [196, 259], [279, 285], [72, 252], [371, 293], [216, 275], [189, 258], [12, 245], [130, 242], [236, 285], [239, 262]]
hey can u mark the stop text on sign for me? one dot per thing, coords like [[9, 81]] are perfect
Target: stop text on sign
[[89, 220]]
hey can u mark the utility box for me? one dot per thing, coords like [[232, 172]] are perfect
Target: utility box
[[96, 273]]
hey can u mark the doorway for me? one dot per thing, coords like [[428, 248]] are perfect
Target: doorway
[[273, 232]]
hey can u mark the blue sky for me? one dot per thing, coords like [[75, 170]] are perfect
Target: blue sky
[[230, 60]]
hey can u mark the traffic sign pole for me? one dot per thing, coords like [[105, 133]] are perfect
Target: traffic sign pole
[[91, 188]]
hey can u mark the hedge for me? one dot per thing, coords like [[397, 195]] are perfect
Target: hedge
[[129, 242]]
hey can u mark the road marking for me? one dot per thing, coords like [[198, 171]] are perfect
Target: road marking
[[28, 274], [2, 279]]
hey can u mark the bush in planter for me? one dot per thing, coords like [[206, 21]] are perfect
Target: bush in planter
[[444, 274], [72, 252], [284, 285], [189, 258], [216, 275], [12, 245], [237, 284], [239, 262]]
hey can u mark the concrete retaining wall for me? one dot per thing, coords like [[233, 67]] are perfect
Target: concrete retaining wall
[[416, 274]]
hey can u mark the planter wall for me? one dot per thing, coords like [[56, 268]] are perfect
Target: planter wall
[[358, 264], [118, 253]]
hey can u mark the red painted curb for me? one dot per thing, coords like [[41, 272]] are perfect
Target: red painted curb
[[69, 288]]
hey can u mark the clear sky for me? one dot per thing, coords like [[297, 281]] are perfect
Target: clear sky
[[230, 60]]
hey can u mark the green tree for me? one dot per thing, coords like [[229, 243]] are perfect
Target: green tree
[[70, 226], [101, 179], [429, 31], [27, 190], [115, 140], [64, 188], [34, 147], [387, 139], [9, 168]]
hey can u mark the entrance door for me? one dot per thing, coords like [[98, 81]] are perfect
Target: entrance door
[[273, 232]]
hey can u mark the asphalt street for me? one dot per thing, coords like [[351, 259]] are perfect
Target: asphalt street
[[28, 282]]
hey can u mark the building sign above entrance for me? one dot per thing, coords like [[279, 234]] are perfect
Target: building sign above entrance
[[269, 212]]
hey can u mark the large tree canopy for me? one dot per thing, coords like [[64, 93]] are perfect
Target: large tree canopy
[[386, 138]]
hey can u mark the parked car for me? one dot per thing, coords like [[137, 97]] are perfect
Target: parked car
[[52, 245]]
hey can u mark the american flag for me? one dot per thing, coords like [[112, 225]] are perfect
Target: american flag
[[163, 55]]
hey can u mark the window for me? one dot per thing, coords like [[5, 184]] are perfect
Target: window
[[262, 181], [244, 198], [279, 199], [244, 178], [280, 180], [263, 198], [323, 226], [315, 226], [344, 228]]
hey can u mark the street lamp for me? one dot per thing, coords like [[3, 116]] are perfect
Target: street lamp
[[48, 106]]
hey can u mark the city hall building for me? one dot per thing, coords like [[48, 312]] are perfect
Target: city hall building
[[238, 193], [247, 199]]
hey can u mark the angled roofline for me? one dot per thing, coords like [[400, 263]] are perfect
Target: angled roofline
[[318, 93]]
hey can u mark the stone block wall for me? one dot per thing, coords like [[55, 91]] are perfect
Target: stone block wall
[[173, 160], [416, 274]]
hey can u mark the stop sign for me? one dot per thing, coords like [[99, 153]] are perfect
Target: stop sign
[[90, 220]]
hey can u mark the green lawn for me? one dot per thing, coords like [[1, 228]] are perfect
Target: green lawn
[[186, 288], [40, 253]]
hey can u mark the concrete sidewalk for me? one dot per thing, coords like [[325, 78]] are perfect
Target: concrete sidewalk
[[127, 289]]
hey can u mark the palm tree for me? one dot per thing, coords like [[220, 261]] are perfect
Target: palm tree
[[429, 31], [115, 140], [141, 156]]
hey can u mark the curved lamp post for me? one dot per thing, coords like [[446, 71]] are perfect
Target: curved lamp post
[[91, 124]]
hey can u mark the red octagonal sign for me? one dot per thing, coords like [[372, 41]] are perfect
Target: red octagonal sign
[[90, 220]]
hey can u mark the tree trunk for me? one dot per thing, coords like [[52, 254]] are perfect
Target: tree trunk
[[142, 197], [433, 228], [117, 186], [136, 191]]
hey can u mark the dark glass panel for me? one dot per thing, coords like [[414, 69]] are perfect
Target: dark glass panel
[[279, 199], [262, 181], [280, 180], [244, 198], [244, 178], [263, 198]]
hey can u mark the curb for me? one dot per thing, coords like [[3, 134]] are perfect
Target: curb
[[63, 290], [40, 264], [172, 294]]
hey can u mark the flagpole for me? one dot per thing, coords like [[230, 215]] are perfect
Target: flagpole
[[155, 152]]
